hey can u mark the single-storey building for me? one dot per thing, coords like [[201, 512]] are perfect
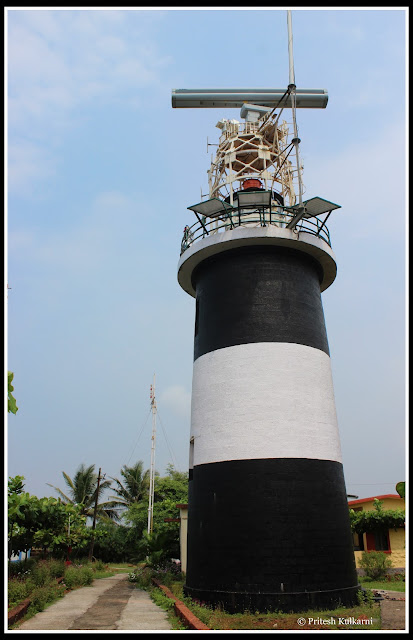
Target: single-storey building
[[390, 541]]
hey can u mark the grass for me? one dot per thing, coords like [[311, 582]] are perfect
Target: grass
[[167, 605], [359, 617], [119, 567], [362, 616], [387, 585]]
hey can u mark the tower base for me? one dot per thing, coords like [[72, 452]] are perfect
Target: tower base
[[238, 602]]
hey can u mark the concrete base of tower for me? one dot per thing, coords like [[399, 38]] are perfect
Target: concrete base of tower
[[240, 601]]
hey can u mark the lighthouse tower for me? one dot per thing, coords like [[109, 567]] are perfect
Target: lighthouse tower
[[268, 521]]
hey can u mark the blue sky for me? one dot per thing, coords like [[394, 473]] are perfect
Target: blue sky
[[100, 173]]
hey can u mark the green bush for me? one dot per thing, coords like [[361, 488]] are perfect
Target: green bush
[[78, 576], [142, 576], [16, 592], [162, 600], [35, 580], [168, 572], [176, 588], [375, 564], [56, 568], [41, 596], [41, 573], [21, 568], [99, 565], [86, 575]]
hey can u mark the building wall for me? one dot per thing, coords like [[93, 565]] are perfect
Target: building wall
[[183, 535], [397, 556], [396, 537]]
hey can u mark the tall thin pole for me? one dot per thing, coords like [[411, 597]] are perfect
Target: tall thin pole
[[292, 88], [152, 469], [92, 542], [290, 49]]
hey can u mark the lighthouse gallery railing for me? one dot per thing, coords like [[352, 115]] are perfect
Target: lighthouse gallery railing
[[232, 219]]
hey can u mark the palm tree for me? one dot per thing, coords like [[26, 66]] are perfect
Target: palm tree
[[83, 490], [134, 486]]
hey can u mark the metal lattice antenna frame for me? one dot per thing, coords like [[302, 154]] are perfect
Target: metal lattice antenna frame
[[260, 149]]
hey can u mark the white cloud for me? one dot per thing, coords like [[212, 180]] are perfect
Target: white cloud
[[20, 241], [177, 399], [368, 179], [27, 162], [112, 200], [83, 248], [77, 55], [59, 61]]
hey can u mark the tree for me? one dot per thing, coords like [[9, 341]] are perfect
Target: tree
[[82, 491], [60, 526], [42, 522], [20, 516], [11, 401], [133, 488], [170, 490], [155, 547], [401, 489], [172, 486], [113, 542], [15, 485]]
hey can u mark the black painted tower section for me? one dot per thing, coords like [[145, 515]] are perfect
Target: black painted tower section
[[258, 294], [272, 531]]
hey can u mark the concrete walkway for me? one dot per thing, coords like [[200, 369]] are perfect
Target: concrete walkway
[[108, 604], [393, 610]]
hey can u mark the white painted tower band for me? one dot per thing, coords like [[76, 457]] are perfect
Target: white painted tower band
[[265, 400]]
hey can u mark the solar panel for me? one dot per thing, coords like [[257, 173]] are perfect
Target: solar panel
[[211, 208], [316, 206]]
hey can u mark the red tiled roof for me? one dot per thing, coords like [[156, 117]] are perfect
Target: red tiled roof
[[388, 495]]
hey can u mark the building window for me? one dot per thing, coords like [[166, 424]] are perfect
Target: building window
[[381, 541], [378, 541]]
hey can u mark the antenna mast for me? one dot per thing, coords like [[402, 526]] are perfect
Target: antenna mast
[[152, 469], [292, 89]]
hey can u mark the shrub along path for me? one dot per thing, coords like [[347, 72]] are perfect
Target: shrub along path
[[108, 604]]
